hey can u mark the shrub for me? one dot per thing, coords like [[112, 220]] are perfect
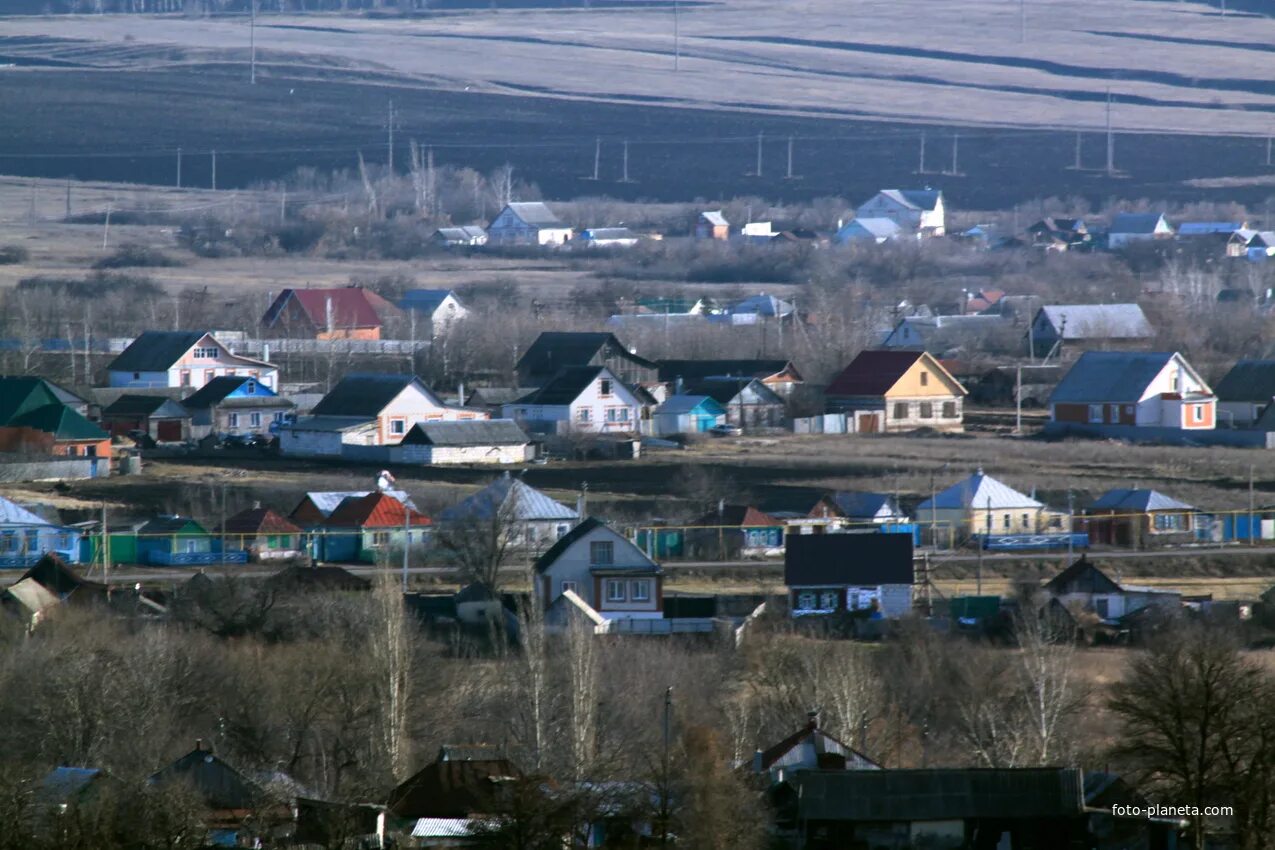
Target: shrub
[[132, 255], [13, 254]]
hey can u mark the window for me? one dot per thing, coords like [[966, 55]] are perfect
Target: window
[[602, 553], [209, 353], [569, 585], [250, 388], [615, 590], [232, 420], [137, 376], [604, 387], [617, 414], [927, 410], [254, 419], [1100, 607], [562, 529], [1197, 413], [380, 538], [398, 426], [900, 410], [949, 410], [277, 416], [1170, 522], [584, 414], [806, 600], [1027, 521], [640, 591], [1095, 413], [1007, 521], [185, 377], [925, 378], [828, 600]]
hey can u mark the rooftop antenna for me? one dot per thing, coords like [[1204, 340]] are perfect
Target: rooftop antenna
[[252, 42]]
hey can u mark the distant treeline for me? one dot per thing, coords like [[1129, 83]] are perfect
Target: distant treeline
[[231, 7]]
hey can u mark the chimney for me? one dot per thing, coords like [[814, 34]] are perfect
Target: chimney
[[256, 505], [199, 745], [582, 503], [265, 351], [721, 507], [812, 719], [327, 310], [677, 386], [460, 393], [758, 764]]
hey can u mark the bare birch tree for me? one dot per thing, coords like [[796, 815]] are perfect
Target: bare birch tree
[[392, 653]]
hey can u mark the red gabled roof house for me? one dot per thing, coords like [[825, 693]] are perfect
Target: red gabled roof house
[[264, 534], [367, 528], [892, 390], [349, 312]]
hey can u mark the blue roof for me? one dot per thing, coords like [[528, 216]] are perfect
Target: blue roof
[[1201, 228], [1136, 222], [425, 300], [764, 305], [1124, 498], [858, 504], [1110, 376], [63, 783], [509, 496]]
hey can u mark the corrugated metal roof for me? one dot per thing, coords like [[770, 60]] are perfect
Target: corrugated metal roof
[[424, 300], [679, 404], [873, 373], [917, 199], [566, 385], [61, 421], [762, 305], [715, 218], [327, 501], [1099, 321], [475, 432], [1135, 223], [1110, 376], [330, 423], [216, 390], [535, 214], [11, 513], [513, 498], [443, 828], [343, 307], [857, 504], [155, 351], [1204, 228], [1122, 498], [157, 406], [881, 228], [980, 491]]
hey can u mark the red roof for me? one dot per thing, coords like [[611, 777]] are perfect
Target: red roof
[[352, 307], [873, 373], [375, 510], [260, 521]]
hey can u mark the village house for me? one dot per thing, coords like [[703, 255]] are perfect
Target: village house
[[1245, 393], [348, 312], [235, 810], [1251, 245], [34, 420], [484, 441], [182, 359], [46, 587], [604, 570], [869, 231], [553, 350], [236, 405], [1089, 325], [316, 506], [1133, 516], [809, 748], [25, 537], [1128, 228], [1060, 234], [158, 417], [850, 510], [711, 224], [368, 410], [579, 399], [952, 336], [747, 402], [897, 391], [734, 531], [686, 414], [780, 376], [1083, 588], [524, 516], [1134, 390], [170, 541], [456, 795], [754, 308], [370, 529], [869, 574], [431, 311], [917, 211], [469, 235], [527, 223], [264, 535], [982, 505]]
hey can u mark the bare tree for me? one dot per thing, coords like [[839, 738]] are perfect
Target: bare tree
[[392, 654]]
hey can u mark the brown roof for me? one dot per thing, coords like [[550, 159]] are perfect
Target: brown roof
[[452, 789], [743, 516], [873, 373], [259, 521]]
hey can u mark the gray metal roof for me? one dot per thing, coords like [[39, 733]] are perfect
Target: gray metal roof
[[715, 218], [762, 305], [1098, 321], [11, 513], [512, 498], [678, 404], [881, 228], [979, 492], [1110, 376], [917, 199], [1123, 498], [474, 432], [535, 214]]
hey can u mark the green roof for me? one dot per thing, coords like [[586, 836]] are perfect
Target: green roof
[[21, 394], [60, 421]]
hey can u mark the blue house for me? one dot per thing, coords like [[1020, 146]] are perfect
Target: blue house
[[687, 414], [236, 404], [26, 537]]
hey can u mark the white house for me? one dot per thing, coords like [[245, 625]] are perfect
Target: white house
[[865, 230], [918, 211], [981, 504], [431, 311], [608, 237], [1157, 389], [1084, 587], [368, 411], [493, 441], [532, 519], [453, 237], [527, 223], [579, 399], [1137, 227], [183, 359], [605, 570]]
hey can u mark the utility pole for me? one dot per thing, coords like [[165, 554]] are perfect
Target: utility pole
[[921, 168], [1077, 164], [252, 42], [664, 789], [1268, 150], [214, 171], [1111, 141], [223, 522], [283, 205], [1251, 505], [407, 540], [389, 144], [956, 141], [597, 159], [106, 230], [1071, 526], [106, 551], [179, 168], [1018, 401], [677, 40], [68, 197], [625, 178], [790, 175], [757, 173]]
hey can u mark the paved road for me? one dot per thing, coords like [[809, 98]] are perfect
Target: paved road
[[169, 575]]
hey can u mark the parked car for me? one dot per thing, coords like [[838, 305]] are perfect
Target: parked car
[[726, 431]]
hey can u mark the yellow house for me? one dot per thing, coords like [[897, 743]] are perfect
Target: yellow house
[[898, 391]]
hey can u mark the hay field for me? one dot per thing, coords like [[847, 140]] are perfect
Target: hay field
[[1173, 67]]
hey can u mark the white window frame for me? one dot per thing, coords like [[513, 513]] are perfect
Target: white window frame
[[569, 585], [640, 590], [596, 546], [616, 590], [398, 427], [1096, 412], [254, 420], [232, 420]]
